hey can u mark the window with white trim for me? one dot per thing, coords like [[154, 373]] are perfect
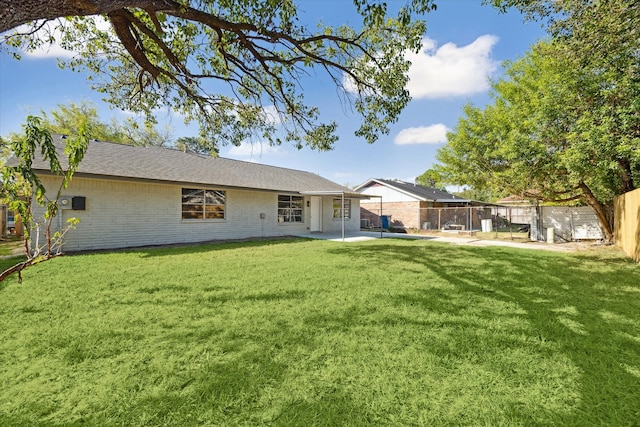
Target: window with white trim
[[290, 208], [337, 211], [198, 203]]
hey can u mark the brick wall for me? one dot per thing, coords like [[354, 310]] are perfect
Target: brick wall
[[126, 214], [403, 214]]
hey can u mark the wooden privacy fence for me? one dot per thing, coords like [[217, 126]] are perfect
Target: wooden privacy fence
[[627, 223]]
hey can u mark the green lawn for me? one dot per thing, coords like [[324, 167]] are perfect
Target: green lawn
[[296, 332], [9, 245]]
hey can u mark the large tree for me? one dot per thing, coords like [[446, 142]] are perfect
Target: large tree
[[195, 145], [220, 62], [433, 178], [602, 39], [69, 119], [553, 132]]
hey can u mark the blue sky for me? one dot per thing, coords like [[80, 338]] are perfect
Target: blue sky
[[465, 45]]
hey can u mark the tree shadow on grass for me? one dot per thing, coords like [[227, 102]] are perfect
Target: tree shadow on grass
[[195, 248], [233, 378], [577, 307], [229, 393], [487, 315]]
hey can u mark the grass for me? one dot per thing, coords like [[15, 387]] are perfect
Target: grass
[[516, 236], [502, 234], [9, 244], [297, 332]]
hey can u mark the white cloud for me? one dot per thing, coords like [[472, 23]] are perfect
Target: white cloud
[[272, 114], [161, 114], [251, 150], [434, 134], [54, 50], [449, 70], [349, 84]]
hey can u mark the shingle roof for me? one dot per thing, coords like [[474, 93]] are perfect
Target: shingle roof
[[110, 160], [419, 191]]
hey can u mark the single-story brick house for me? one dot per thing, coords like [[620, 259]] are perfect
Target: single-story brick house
[[407, 204], [127, 196]]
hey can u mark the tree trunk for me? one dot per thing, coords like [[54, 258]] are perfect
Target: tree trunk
[[17, 12], [626, 174], [604, 213]]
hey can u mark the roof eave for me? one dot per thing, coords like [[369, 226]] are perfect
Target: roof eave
[[350, 194], [386, 184], [170, 182]]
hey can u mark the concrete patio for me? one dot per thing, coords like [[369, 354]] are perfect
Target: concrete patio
[[360, 236]]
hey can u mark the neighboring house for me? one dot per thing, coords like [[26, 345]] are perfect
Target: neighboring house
[[407, 205], [128, 196]]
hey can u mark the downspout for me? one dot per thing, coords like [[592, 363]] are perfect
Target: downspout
[[342, 212], [510, 225], [380, 217]]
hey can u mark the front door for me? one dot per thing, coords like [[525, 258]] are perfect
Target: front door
[[316, 214]]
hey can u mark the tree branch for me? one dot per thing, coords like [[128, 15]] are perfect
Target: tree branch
[[169, 52], [14, 13], [123, 27]]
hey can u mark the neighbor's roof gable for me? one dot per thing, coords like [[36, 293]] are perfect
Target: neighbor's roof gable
[[117, 161], [418, 191]]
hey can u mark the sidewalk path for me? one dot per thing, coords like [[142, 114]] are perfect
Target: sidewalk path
[[457, 240]]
